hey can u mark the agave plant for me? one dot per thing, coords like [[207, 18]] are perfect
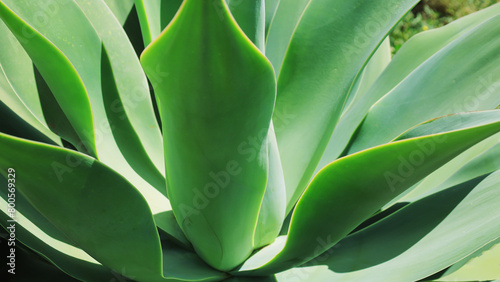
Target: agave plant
[[276, 140]]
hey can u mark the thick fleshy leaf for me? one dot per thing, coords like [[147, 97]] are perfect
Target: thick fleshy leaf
[[250, 18], [166, 221], [18, 84], [120, 8], [57, 70], [74, 35], [417, 51], [123, 131], [179, 264], [216, 160], [273, 210], [484, 163], [53, 113], [376, 65], [339, 193], [168, 10], [91, 204], [149, 16], [330, 46], [417, 241], [126, 98], [373, 69], [450, 81], [32, 233], [18, 127], [480, 159]]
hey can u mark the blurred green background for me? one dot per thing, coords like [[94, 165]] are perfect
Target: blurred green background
[[429, 14]]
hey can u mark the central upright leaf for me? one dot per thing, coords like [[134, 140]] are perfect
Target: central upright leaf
[[216, 94]]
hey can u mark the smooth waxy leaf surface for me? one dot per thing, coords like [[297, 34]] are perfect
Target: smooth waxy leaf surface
[[339, 194], [37, 233], [271, 6], [330, 45], [250, 18], [123, 131], [372, 71], [57, 70], [149, 12], [440, 86], [120, 8], [419, 50], [415, 242], [18, 85], [214, 127], [126, 97], [168, 11], [281, 28], [479, 160], [71, 30], [79, 196]]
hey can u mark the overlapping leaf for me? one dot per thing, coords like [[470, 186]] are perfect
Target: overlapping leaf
[[58, 71], [346, 194], [215, 105], [330, 45], [439, 86], [417, 241], [92, 205], [420, 50]]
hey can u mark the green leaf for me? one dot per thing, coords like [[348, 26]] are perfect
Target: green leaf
[[417, 51], [70, 30], [179, 264], [450, 81], [168, 10], [32, 233], [126, 137], [271, 6], [59, 73], [126, 96], [53, 113], [373, 69], [216, 160], [250, 16], [166, 221], [273, 210], [281, 29], [150, 19], [480, 159], [338, 192], [83, 205], [417, 241], [120, 8], [17, 126], [330, 46], [18, 84]]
